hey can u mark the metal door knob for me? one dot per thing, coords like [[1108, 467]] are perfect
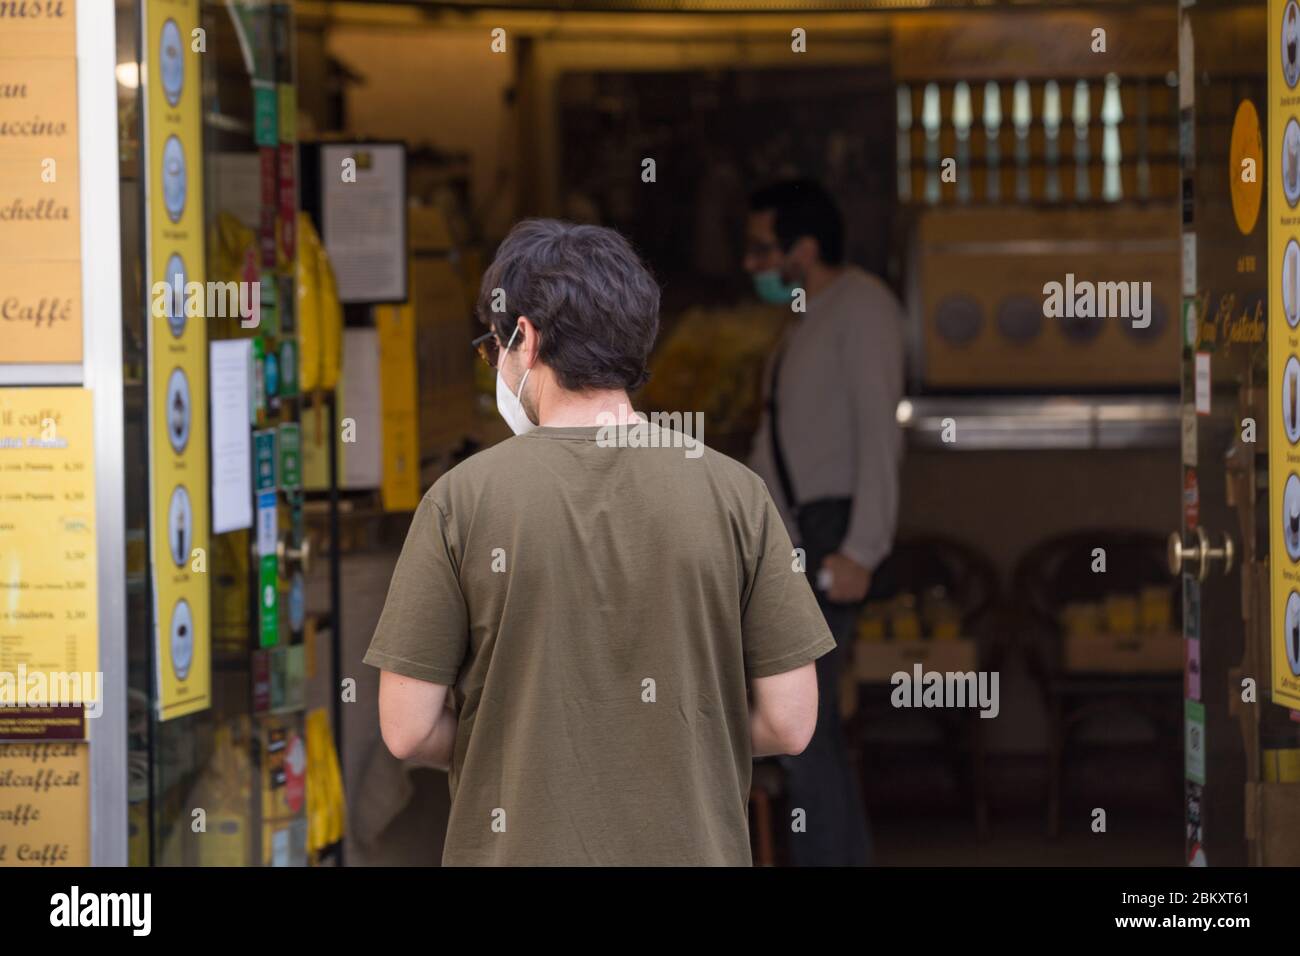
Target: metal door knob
[[1200, 556], [286, 555]]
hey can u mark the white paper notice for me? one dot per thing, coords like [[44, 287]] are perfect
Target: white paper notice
[[1202, 383], [232, 455], [363, 464], [363, 219]]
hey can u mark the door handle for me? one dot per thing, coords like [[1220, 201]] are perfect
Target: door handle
[[1200, 555], [286, 555]]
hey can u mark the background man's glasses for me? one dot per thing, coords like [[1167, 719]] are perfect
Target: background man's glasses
[[760, 249]]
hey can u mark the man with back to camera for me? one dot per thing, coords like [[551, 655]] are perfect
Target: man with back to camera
[[829, 446], [621, 628]]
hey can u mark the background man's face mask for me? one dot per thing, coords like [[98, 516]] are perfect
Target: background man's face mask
[[508, 403], [772, 288]]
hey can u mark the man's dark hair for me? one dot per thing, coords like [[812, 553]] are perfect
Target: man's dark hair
[[593, 302], [803, 208]]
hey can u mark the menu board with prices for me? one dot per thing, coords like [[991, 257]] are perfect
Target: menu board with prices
[[48, 563], [40, 221]]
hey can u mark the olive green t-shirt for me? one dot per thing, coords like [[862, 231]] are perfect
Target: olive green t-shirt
[[598, 611]]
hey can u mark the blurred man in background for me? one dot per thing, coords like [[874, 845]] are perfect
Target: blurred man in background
[[829, 447]]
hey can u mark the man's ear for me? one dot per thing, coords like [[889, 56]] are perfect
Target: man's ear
[[805, 251], [532, 341]]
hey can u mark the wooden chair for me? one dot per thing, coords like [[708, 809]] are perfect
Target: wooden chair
[[1059, 571], [922, 565]]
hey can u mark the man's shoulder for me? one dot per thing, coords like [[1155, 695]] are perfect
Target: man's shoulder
[[730, 468], [866, 288], [727, 476], [471, 473], [869, 309]]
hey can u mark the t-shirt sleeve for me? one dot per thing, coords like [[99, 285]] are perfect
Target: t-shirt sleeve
[[782, 627], [423, 631]]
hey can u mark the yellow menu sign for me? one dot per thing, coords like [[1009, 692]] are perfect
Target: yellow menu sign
[[45, 804], [49, 604], [399, 488], [178, 352], [40, 222], [1284, 345], [38, 29]]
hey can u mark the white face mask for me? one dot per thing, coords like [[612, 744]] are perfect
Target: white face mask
[[508, 403]]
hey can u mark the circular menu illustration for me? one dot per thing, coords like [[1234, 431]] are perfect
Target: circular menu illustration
[[1290, 35], [174, 176], [178, 410], [1291, 283], [1291, 162], [175, 279], [1291, 399], [1291, 517], [180, 525], [171, 62], [1292, 625], [182, 639]]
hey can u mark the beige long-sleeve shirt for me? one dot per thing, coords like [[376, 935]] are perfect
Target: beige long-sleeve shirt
[[837, 399]]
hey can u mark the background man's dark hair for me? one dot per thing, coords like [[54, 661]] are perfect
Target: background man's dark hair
[[803, 208], [593, 302]]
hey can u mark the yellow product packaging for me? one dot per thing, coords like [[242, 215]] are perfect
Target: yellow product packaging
[[331, 325], [1081, 619], [227, 839], [1280, 765], [1121, 614], [309, 306], [230, 243], [1155, 612], [326, 808], [712, 362], [905, 624], [940, 617], [232, 257], [871, 625], [320, 314], [946, 627]]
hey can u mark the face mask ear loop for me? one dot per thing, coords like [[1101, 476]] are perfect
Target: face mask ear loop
[[527, 370], [518, 394]]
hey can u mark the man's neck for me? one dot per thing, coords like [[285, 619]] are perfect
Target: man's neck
[[559, 408], [820, 276]]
